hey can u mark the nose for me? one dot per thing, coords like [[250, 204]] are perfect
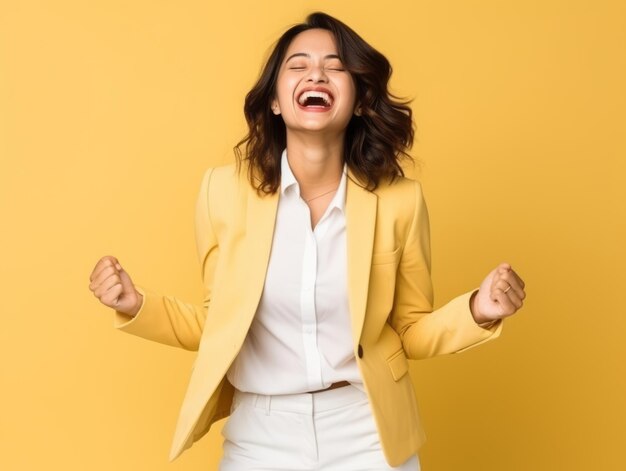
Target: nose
[[317, 74]]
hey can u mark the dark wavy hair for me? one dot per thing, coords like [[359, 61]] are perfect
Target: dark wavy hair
[[374, 142]]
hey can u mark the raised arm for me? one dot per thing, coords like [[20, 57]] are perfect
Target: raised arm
[[163, 319], [424, 332]]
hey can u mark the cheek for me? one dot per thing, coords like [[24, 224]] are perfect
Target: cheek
[[285, 88], [350, 92]]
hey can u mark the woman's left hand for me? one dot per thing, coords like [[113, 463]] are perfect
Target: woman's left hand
[[500, 295]]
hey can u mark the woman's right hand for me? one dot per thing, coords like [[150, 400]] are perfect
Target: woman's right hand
[[113, 287]]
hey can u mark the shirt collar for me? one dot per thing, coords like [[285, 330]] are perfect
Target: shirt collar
[[288, 179]]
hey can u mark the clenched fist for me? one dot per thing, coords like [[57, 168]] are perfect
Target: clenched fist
[[113, 287], [500, 295]]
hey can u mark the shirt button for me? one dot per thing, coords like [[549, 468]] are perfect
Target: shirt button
[[360, 351]]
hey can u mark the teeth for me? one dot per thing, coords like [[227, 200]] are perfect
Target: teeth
[[308, 94]]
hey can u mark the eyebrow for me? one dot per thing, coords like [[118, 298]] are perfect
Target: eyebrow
[[304, 54]]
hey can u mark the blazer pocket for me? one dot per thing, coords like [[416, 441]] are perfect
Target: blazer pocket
[[381, 258], [398, 364]]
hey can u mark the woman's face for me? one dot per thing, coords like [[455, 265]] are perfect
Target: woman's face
[[313, 91]]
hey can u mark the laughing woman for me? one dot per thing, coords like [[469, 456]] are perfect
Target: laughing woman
[[315, 257]]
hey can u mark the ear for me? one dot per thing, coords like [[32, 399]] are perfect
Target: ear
[[358, 111], [275, 107]]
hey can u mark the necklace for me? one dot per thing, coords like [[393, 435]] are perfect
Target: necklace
[[319, 196]]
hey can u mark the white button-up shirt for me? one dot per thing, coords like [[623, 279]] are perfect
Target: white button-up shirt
[[300, 339]]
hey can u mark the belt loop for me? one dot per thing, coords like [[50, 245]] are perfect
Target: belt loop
[[267, 404]]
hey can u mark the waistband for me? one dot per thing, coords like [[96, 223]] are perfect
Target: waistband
[[304, 403]]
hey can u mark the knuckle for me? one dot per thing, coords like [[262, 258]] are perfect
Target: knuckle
[[110, 261], [105, 260], [110, 296], [113, 287]]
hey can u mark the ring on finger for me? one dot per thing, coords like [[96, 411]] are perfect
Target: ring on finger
[[507, 290]]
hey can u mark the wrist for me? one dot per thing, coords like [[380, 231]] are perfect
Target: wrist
[[133, 312], [476, 315]]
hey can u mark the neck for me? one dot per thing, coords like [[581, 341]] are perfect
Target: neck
[[316, 163]]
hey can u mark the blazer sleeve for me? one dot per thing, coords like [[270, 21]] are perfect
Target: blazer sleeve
[[166, 319], [424, 332]]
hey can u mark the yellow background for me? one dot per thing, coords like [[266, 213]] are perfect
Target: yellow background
[[110, 111]]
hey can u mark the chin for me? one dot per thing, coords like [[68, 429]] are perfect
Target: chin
[[318, 126]]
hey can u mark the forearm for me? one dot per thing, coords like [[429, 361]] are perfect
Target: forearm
[[449, 329], [164, 319]]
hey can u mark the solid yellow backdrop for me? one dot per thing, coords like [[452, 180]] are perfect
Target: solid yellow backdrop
[[111, 110]]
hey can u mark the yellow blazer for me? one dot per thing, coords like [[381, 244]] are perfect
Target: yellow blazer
[[390, 298]]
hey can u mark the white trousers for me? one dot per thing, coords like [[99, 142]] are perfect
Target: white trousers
[[330, 431]]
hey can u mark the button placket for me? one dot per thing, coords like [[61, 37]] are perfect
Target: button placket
[[307, 306]]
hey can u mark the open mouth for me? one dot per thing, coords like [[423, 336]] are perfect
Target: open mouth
[[315, 99]]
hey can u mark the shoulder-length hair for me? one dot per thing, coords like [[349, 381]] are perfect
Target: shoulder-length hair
[[375, 141]]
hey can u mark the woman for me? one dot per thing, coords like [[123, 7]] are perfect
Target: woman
[[315, 258]]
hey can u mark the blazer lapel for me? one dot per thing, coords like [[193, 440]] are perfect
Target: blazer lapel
[[360, 225], [260, 222]]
